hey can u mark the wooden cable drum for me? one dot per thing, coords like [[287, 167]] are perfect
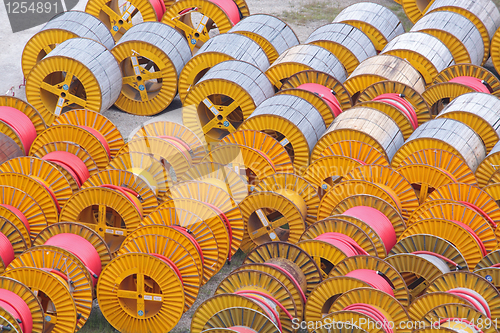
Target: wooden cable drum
[[200, 20], [488, 168], [216, 50], [271, 33], [62, 27], [9, 149], [224, 97], [119, 17], [480, 112], [363, 124], [291, 120], [78, 74], [457, 32], [447, 134], [483, 13], [151, 56], [304, 57], [376, 21], [426, 53], [349, 44], [383, 68]]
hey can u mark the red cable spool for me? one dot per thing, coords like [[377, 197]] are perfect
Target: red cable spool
[[472, 82], [230, 8], [371, 312], [455, 320], [284, 271], [193, 240], [6, 250], [326, 94], [70, 163], [480, 211], [373, 279], [19, 215], [401, 104], [82, 249], [267, 308], [479, 303], [131, 195], [99, 136], [470, 231], [169, 263], [228, 226], [344, 243], [21, 124], [378, 221], [18, 308]]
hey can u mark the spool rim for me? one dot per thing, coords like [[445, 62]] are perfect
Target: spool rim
[[438, 92], [462, 311], [366, 153], [425, 303], [14, 235]]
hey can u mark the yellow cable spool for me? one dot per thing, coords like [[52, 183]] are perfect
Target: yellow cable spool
[[43, 172], [354, 149], [175, 131], [350, 46], [10, 149], [487, 170], [383, 67], [150, 67], [253, 280], [299, 263], [425, 178], [466, 313], [18, 221], [31, 301], [206, 226], [240, 317], [140, 293], [108, 212], [488, 268], [214, 304], [15, 238], [304, 57], [398, 285], [173, 156], [410, 94], [46, 204], [324, 79], [415, 9], [292, 185], [145, 167], [443, 160], [60, 83], [271, 216], [438, 95], [77, 278], [59, 309], [174, 245], [470, 281], [129, 180], [425, 303], [60, 28], [264, 143], [223, 98], [219, 175], [96, 121], [218, 198], [489, 79], [466, 244]]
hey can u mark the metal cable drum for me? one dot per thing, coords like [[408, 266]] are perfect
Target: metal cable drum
[[479, 111], [220, 48], [271, 33], [447, 134], [383, 68], [291, 120], [304, 57], [62, 27], [78, 74], [349, 44], [224, 97], [151, 56], [198, 20], [376, 21], [8, 149], [363, 124], [457, 32], [487, 170], [483, 13], [426, 53]]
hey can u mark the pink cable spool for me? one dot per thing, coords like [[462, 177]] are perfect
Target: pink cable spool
[[19, 215], [228, 226], [170, 263], [480, 211], [70, 163], [241, 329], [266, 307], [230, 8], [21, 124], [193, 240], [159, 8], [99, 136], [474, 298], [373, 279], [6, 250], [131, 195], [18, 308], [456, 320], [472, 82], [371, 312], [326, 94], [401, 104], [378, 222], [284, 271], [470, 231], [82, 249], [56, 272], [344, 243]]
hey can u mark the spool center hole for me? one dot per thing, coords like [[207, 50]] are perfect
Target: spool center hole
[[120, 22], [139, 78], [197, 35], [63, 94], [219, 117]]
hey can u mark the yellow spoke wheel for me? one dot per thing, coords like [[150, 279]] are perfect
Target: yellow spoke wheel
[[438, 93], [462, 311], [354, 149], [139, 293], [422, 305], [173, 244], [240, 317]]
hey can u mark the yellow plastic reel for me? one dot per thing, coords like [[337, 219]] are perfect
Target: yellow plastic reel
[[422, 305]]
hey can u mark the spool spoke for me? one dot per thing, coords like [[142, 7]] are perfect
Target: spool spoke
[[50, 88], [144, 94], [115, 18], [279, 223], [260, 232], [76, 100], [130, 80], [151, 75]]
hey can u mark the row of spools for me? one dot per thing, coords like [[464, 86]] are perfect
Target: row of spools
[[382, 210]]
